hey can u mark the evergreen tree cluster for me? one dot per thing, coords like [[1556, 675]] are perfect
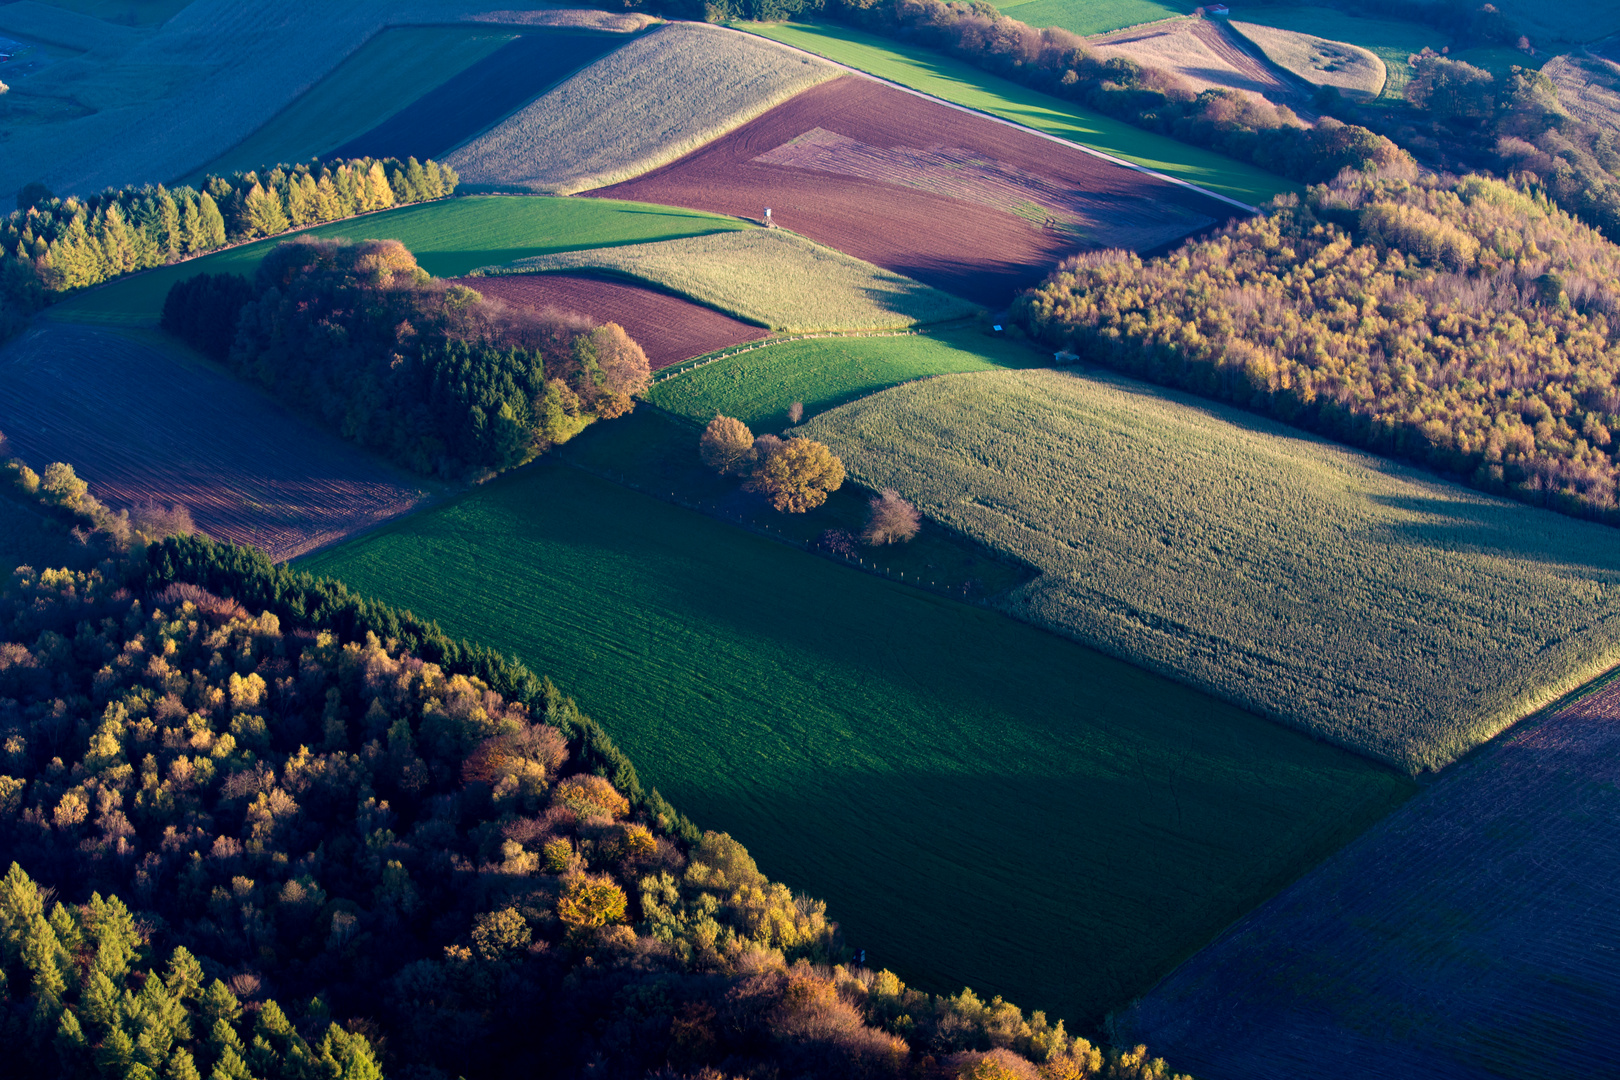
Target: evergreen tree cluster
[[237, 814], [434, 376], [1057, 62], [51, 246], [1469, 325]]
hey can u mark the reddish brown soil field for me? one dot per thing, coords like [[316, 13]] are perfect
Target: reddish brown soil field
[[957, 201], [668, 328], [145, 422]]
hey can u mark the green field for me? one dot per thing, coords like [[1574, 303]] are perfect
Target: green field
[[1363, 601], [1391, 40], [124, 12], [1087, 17], [979, 802], [963, 84], [758, 386], [769, 277], [390, 71], [1581, 21], [449, 238]]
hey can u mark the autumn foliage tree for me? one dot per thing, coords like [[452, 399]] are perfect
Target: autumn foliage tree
[[890, 519], [796, 475], [727, 446]]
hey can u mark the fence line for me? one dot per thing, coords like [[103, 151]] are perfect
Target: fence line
[[738, 350]]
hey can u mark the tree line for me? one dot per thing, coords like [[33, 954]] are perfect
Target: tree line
[[1058, 62], [51, 246], [256, 832], [434, 376], [1469, 325]]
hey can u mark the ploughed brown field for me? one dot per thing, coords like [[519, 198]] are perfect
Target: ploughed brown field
[[955, 200], [668, 328], [144, 422]]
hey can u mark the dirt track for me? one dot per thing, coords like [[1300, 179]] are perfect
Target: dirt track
[[960, 202], [1474, 933], [141, 422], [668, 328]]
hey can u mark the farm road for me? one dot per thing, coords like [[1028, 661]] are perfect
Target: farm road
[[1474, 933], [143, 423]]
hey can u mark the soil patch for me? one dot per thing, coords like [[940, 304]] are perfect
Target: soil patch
[[1200, 52], [144, 422], [957, 201], [481, 95], [1473, 933], [668, 328]]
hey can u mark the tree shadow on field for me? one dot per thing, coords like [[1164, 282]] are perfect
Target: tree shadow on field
[[1478, 524]]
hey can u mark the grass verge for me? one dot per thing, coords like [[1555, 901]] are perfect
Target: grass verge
[[961, 83], [449, 238], [1363, 601], [769, 277], [979, 802]]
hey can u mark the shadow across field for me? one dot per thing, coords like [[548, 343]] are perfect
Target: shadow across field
[[1473, 934]]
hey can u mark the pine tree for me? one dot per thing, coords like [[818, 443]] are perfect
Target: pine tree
[[75, 257], [181, 1066], [329, 206], [262, 213], [20, 904], [211, 224], [303, 201], [432, 180], [170, 240], [379, 195], [416, 181], [112, 932], [185, 976], [117, 243], [47, 964], [190, 228]]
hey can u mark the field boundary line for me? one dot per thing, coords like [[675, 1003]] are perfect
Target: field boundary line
[[665, 374], [1082, 147]]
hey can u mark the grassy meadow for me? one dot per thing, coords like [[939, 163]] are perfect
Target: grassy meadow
[[757, 386], [885, 748], [1088, 17], [961, 83], [641, 106], [1362, 601], [769, 277], [390, 71], [1357, 73], [449, 238]]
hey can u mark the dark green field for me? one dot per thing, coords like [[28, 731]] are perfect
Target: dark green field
[[980, 802]]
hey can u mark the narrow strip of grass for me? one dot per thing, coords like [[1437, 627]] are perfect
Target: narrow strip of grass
[[961, 83], [980, 803], [449, 238], [1088, 17]]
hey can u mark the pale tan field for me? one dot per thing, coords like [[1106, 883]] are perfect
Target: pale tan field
[[769, 277], [1357, 73], [1589, 87], [1198, 52], [636, 109]]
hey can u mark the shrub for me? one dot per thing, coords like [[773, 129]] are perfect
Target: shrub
[[589, 902], [797, 475], [727, 446]]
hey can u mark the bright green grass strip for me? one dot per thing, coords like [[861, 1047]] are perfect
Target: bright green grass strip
[[1087, 17], [389, 72], [757, 386], [449, 238], [1363, 601], [959, 82], [979, 802]]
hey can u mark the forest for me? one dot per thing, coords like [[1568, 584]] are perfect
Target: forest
[[434, 376], [1057, 62], [1468, 325], [51, 246], [264, 828]]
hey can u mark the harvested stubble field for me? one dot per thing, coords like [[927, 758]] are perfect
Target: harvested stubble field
[[143, 421], [397, 66], [1471, 935], [961, 83], [1588, 87], [449, 238], [1200, 52], [769, 277], [957, 201], [1362, 601], [484, 93], [668, 328], [1355, 72], [822, 373], [639, 107], [887, 747], [1391, 40]]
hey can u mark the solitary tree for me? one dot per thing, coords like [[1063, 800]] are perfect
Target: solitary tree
[[795, 412], [797, 475], [891, 519], [727, 446]]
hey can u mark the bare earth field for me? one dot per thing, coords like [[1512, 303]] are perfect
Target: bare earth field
[[1474, 933], [668, 328], [141, 421], [482, 95], [1200, 52], [960, 202]]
